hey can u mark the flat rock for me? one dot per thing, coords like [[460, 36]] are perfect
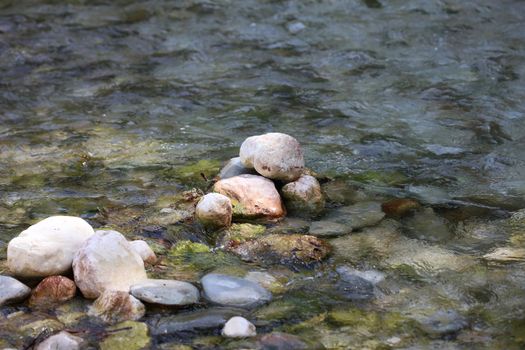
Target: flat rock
[[12, 291], [354, 287], [166, 292], [34, 252], [62, 340], [53, 290], [233, 291], [195, 321], [107, 261], [128, 335], [326, 228], [214, 210], [282, 341], [303, 197], [276, 156], [443, 322], [144, 250], [238, 327], [252, 197], [114, 306]]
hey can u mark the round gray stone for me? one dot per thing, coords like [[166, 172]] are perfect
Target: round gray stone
[[233, 291], [12, 290]]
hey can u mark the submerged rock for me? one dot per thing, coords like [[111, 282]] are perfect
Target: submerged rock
[[238, 327], [214, 211], [292, 249], [252, 197], [326, 228], [52, 290], [233, 168], [12, 291], [425, 224], [34, 252], [143, 249], [303, 197], [166, 292], [274, 155], [506, 255], [195, 321], [127, 335], [233, 291], [62, 340], [443, 322], [282, 341], [117, 306], [354, 287], [107, 261], [239, 233], [400, 207], [357, 216]]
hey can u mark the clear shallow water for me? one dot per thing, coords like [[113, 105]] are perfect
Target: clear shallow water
[[106, 104]]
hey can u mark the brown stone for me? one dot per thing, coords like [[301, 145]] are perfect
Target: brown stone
[[52, 290], [400, 207], [252, 197], [114, 306]]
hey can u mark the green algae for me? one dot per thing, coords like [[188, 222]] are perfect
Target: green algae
[[127, 335]]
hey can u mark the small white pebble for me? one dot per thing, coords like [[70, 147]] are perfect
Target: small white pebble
[[295, 27], [393, 340], [238, 327]]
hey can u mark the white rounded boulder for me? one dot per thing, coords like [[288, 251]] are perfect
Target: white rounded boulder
[[214, 210], [238, 327], [47, 248], [274, 155], [107, 261]]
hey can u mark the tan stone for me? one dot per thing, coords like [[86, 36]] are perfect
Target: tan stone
[[304, 196], [117, 306], [214, 210], [252, 197]]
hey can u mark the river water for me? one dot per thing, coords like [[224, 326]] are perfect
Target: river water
[[121, 104]]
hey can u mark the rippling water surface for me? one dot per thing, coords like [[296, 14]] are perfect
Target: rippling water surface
[[108, 106]]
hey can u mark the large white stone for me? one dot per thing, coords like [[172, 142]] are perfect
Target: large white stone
[[214, 210], [238, 327], [47, 248], [274, 155], [107, 261]]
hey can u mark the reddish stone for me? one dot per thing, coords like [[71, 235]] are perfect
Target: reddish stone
[[400, 207], [53, 289]]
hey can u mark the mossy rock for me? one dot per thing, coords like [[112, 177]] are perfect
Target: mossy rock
[[192, 174], [238, 233], [380, 177], [127, 335], [368, 320], [36, 328]]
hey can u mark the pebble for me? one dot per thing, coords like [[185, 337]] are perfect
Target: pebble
[[61, 341], [233, 291], [53, 290], [214, 210], [238, 327], [12, 291], [166, 292], [114, 306], [143, 249]]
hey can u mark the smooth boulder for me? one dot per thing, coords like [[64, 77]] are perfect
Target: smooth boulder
[[114, 306], [233, 291], [214, 210], [252, 197], [107, 261], [276, 156], [166, 292], [12, 290], [233, 168], [52, 290], [47, 248], [238, 327], [304, 197]]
